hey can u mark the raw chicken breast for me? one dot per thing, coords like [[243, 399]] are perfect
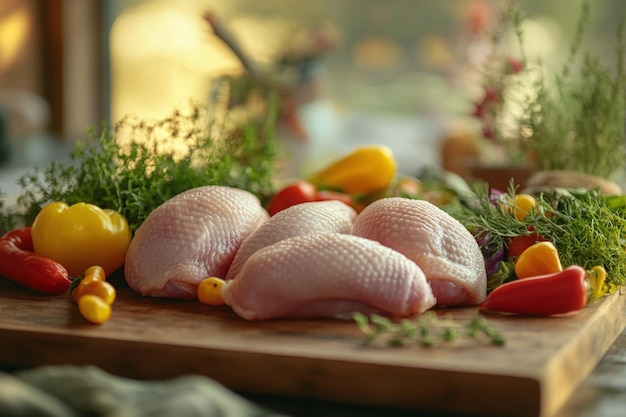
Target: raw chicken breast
[[192, 236], [301, 219], [327, 275], [444, 249]]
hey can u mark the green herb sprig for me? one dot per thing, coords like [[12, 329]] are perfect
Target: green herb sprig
[[587, 228], [427, 330], [577, 123], [570, 120], [137, 165]]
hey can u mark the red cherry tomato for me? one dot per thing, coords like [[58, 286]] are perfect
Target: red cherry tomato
[[520, 243], [303, 192], [324, 195], [292, 194]]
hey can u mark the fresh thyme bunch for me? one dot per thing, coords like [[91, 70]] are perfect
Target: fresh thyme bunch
[[427, 330], [574, 122], [578, 124], [135, 166]]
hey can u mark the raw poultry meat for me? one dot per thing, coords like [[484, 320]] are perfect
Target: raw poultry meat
[[300, 219], [444, 249], [327, 275], [191, 236]]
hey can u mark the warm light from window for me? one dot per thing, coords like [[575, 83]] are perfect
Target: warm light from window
[[164, 55], [14, 29]]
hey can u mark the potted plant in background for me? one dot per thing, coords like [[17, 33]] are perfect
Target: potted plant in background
[[566, 131]]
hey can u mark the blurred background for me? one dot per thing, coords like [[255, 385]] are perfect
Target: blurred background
[[398, 72]]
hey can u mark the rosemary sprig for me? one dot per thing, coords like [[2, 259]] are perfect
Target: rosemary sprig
[[427, 330]]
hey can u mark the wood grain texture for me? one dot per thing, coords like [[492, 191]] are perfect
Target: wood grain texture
[[534, 374]]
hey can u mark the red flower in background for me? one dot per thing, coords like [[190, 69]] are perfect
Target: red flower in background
[[479, 16]]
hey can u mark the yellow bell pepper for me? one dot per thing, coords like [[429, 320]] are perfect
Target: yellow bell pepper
[[80, 236], [367, 169], [542, 258]]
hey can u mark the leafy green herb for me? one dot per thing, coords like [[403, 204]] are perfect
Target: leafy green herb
[[571, 120], [578, 123], [427, 330], [587, 228], [135, 166]]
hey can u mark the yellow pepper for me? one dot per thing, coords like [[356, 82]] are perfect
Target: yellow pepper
[[80, 236], [365, 170], [539, 259], [597, 282]]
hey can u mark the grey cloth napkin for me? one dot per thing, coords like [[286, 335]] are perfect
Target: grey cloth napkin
[[68, 391]]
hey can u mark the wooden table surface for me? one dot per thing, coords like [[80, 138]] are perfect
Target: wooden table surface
[[602, 394], [322, 361]]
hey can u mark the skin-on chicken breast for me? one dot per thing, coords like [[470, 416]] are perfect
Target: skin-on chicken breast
[[444, 249], [327, 275], [190, 237], [300, 219]]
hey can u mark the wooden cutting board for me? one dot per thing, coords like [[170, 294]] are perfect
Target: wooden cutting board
[[543, 361]]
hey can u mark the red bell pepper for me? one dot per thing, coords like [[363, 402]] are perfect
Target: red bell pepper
[[19, 263], [545, 295]]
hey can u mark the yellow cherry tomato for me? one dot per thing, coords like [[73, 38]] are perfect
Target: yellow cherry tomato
[[210, 291], [524, 203], [95, 272], [102, 289], [94, 309], [92, 274]]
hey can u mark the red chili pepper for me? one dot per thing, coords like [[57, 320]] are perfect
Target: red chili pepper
[[544, 295], [19, 263]]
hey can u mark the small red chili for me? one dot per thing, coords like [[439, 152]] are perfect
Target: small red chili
[[545, 295], [19, 263]]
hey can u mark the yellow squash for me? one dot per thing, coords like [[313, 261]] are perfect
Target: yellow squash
[[367, 169], [80, 236]]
